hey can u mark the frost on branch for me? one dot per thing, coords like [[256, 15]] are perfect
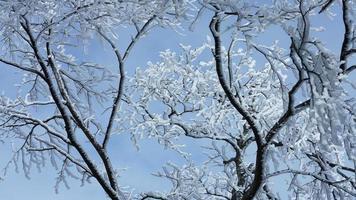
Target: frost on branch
[[64, 111], [291, 112], [264, 111]]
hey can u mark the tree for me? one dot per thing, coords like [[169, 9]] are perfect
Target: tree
[[294, 113], [302, 123], [36, 38]]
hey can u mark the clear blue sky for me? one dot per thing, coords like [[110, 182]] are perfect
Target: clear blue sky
[[152, 156]]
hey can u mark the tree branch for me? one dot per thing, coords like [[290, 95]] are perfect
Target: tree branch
[[259, 162]]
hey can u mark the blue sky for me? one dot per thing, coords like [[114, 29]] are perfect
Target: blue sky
[[139, 164], [152, 156]]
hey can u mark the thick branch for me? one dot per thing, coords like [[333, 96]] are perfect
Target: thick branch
[[348, 35], [215, 28], [259, 162]]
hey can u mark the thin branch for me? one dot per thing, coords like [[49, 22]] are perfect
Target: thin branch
[[326, 6], [229, 62], [113, 193], [322, 179], [121, 60], [62, 152], [350, 69], [27, 69], [152, 196]]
